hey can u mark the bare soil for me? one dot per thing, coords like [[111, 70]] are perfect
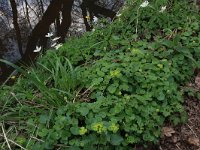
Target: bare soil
[[185, 136]]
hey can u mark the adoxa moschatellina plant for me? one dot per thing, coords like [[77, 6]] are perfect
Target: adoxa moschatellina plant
[[130, 79]]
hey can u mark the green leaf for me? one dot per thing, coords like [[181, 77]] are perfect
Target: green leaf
[[116, 139], [74, 130], [97, 81], [115, 37], [43, 132], [43, 119], [161, 96], [73, 148], [83, 110], [124, 87], [112, 88]]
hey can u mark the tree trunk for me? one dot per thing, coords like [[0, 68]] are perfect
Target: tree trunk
[[16, 25], [27, 14], [66, 19], [41, 29], [57, 25], [84, 13]]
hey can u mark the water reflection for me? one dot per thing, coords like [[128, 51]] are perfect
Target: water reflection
[[32, 12]]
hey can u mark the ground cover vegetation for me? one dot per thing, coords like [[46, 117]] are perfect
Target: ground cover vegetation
[[110, 89]]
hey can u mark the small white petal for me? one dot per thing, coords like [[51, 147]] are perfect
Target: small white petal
[[53, 45], [95, 19], [56, 38], [163, 8], [38, 49], [144, 4], [49, 35], [58, 46], [118, 15]]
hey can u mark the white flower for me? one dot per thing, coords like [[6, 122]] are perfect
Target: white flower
[[95, 19], [144, 4], [38, 49], [49, 35], [163, 8], [58, 46], [118, 15], [93, 30], [53, 45], [55, 39]]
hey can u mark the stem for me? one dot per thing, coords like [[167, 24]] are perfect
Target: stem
[[137, 20]]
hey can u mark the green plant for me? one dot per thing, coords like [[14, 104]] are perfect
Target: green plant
[[117, 87], [129, 105]]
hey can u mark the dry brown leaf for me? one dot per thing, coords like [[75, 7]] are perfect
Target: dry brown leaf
[[193, 141], [168, 131], [197, 81], [174, 139]]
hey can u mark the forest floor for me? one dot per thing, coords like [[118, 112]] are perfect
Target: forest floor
[[185, 136]]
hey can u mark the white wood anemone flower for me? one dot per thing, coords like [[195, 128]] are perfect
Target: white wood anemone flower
[[56, 38], [38, 49], [58, 46], [95, 19], [49, 35], [118, 15], [54, 44], [163, 8], [144, 4]]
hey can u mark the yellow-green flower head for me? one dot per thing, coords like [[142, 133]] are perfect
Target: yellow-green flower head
[[136, 51], [113, 127], [87, 17], [119, 93], [13, 77], [164, 59], [98, 127], [160, 66], [82, 144], [115, 73], [21, 140], [82, 130]]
